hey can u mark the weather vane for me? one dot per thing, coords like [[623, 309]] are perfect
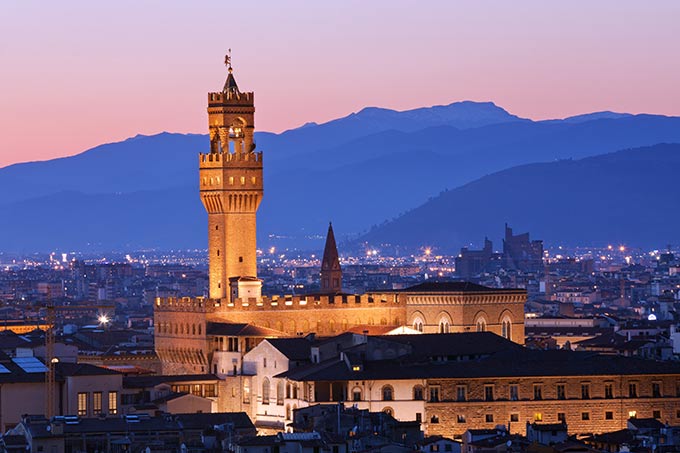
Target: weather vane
[[227, 60]]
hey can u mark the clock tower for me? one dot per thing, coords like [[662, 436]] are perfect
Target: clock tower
[[231, 190]]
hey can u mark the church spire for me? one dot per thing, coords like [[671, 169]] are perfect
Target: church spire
[[331, 274]]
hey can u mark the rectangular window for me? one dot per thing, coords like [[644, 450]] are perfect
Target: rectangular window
[[97, 403], [656, 414], [608, 391], [210, 391], [419, 417], [632, 390], [538, 417], [461, 393], [356, 395], [514, 417], [632, 414], [609, 415], [196, 389], [82, 403], [656, 389], [460, 418], [488, 418], [538, 392], [561, 392], [434, 394], [585, 391], [514, 393], [113, 403], [561, 417], [585, 415], [246, 392], [488, 392]]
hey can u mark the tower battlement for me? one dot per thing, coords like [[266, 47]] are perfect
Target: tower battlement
[[217, 160], [187, 304], [231, 98]]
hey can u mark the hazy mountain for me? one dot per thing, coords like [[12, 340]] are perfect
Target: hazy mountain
[[628, 196], [356, 171]]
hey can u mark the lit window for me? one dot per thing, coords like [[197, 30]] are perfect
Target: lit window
[[243, 180], [97, 403], [113, 403], [82, 403], [632, 414], [538, 417]]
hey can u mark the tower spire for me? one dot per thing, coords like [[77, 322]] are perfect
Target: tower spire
[[230, 85], [331, 274]]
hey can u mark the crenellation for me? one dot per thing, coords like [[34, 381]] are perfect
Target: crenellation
[[217, 160], [217, 99]]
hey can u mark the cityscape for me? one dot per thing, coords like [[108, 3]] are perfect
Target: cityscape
[[351, 291]]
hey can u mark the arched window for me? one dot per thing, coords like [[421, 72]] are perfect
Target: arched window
[[389, 411], [288, 414], [481, 325], [200, 330], [265, 391], [506, 329], [279, 393], [387, 393], [418, 325], [356, 394], [443, 326], [193, 329], [418, 393]]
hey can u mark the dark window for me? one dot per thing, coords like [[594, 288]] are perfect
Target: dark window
[[434, 419], [419, 417], [488, 393], [585, 391], [608, 391], [538, 392], [434, 394], [656, 414], [561, 417], [585, 415], [460, 393], [656, 390], [460, 418], [609, 415], [488, 418], [387, 393], [561, 393], [418, 393], [514, 417], [632, 390], [240, 259], [514, 393]]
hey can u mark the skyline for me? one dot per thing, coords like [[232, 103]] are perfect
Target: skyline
[[537, 61]]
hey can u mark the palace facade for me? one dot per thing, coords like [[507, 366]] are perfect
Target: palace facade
[[231, 189]]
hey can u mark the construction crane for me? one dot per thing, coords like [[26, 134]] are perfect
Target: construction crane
[[50, 359]]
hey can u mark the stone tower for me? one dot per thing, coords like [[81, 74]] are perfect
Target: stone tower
[[231, 190], [331, 274]]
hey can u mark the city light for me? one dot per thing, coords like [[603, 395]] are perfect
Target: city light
[[103, 319]]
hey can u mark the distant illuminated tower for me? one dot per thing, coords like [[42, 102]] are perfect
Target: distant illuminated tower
[[231, 191], [331, 274]]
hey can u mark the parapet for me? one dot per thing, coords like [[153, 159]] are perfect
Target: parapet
[[231, 98], [238, 159], [190, 304], [318, 301]]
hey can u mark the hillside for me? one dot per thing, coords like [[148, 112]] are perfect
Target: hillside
[[357, 171], [628, 196]]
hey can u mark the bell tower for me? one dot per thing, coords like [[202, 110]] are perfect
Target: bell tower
[[231, 189]]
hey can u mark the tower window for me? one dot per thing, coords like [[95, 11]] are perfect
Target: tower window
[[218, 252], [243, 180], [217, 227], [240, 259], [253, 180], [231, 180]]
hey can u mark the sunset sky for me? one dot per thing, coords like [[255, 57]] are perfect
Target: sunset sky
[[75, 74]]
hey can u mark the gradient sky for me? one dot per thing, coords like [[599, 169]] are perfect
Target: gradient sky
[[75, 74]]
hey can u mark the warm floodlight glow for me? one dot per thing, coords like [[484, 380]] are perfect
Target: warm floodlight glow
[[103, 319]]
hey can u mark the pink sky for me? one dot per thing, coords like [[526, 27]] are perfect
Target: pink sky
[[77, 74]]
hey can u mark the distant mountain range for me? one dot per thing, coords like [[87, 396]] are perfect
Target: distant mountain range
[[357, 171], [617, 198]]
